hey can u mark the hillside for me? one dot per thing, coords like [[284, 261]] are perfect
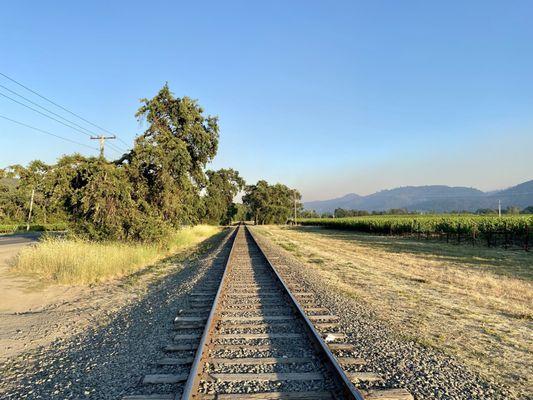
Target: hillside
[[438, 198]]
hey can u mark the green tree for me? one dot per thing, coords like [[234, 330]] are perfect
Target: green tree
[[512, 210], [166, 165], [16, 187], [271, 204], [239, 212], [223, 185], [308, 214]]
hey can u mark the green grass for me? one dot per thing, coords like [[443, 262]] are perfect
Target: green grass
[[76, 261], [289, 246]]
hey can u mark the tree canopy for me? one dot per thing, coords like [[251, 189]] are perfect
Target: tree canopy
[[271, 204], [160, 184], [223, 185]]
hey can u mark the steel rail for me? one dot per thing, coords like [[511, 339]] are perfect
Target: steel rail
[[190, 390], [348, 389], [193, 379]]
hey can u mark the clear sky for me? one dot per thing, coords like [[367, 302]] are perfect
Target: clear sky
[[329, 97]]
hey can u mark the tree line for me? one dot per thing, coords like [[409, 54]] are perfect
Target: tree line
[[160, 184], [344, 213]]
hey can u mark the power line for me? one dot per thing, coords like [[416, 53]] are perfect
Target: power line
[[117, 149], [47, 110], [46, 115], [48, 133], [63, 108]]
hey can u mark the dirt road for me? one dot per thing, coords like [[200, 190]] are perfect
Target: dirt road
[[31, 313]]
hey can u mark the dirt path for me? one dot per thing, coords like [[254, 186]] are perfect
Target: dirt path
[[32, 315]]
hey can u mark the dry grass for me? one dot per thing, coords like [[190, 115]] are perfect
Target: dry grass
[[70, 261], [474, 303]]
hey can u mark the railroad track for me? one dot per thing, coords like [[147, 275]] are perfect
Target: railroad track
[[248, 334]]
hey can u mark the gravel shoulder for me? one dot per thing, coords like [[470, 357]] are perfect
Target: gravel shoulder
[[389, 350], [101, 343]]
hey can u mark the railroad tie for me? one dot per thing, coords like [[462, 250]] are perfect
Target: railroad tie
[[388, 394], [356, 377], [181, 347], [262, 360], [254, 336], [190, 319], [316, 395], [351, 361], [280, 376], [164, 378], [341, 346], [192, 336], [256, 319], [175, 361]]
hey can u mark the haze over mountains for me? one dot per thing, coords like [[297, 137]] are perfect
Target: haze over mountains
[[437, 198]]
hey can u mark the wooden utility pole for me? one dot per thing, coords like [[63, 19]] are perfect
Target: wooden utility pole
[[31, 208], [499, 208], [102, 140]]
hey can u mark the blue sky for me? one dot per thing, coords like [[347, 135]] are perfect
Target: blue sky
[[329, 97]]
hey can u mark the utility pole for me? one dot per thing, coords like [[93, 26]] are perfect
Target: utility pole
[[499, 208], [102, 140], [31, 208]]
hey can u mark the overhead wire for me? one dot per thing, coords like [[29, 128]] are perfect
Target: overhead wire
[[88, 133], [61, 107], [47, 110], [46, 115], [47, 132]]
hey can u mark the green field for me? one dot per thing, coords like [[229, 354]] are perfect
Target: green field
[[506, 230]]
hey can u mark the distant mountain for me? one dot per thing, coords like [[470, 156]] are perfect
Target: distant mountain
[[348, 201], [437, 198]]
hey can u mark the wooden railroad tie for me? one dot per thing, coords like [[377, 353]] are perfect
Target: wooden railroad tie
[[280, 376]]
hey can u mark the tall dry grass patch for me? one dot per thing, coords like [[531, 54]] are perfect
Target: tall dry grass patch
[[76, 261]]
